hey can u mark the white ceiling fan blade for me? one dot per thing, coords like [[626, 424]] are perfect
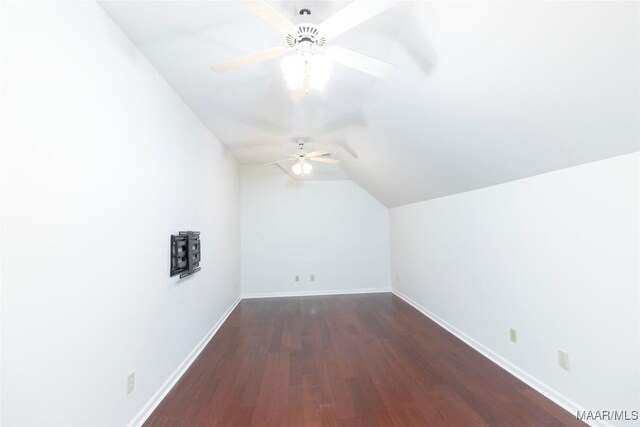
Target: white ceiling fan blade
[[353, 14], [278, 162], [267, 13], [323, 160], [317, 154], [360, 62], [251, 58]]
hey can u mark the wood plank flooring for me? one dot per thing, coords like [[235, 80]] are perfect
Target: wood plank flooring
[[349, 360]]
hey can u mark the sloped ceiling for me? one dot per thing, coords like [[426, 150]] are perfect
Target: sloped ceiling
[[482, 92]]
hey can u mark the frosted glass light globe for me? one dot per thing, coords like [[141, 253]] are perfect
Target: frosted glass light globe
[[301, 168], [320, 71], [292, 67], [295, 66]]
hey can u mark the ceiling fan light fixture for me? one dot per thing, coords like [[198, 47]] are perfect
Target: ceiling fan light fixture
[[321, 68], [301, 168], [305, 68], [292, 67]]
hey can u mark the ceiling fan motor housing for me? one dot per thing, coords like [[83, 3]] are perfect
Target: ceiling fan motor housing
[[305, 33]]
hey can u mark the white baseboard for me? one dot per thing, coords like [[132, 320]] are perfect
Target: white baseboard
[[155, 400], [551, 394], [315, 293]]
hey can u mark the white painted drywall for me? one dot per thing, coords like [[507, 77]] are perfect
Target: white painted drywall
[[483, 92], [331, 229], [102, 162], [553, 256]]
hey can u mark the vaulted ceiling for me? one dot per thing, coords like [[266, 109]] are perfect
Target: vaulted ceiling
[[482, 92]]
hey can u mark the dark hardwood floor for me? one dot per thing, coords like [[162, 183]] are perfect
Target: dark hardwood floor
[[352, 360]]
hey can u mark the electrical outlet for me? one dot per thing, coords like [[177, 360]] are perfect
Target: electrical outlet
[[513, 335], [131, 382], [312, 278], [297, 279], [563, 359]]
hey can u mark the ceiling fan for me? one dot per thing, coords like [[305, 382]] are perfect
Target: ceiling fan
[[309, 61], [302, 165]]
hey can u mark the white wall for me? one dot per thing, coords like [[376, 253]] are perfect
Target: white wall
[[555, 257], [331, 229], [101, 163]]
